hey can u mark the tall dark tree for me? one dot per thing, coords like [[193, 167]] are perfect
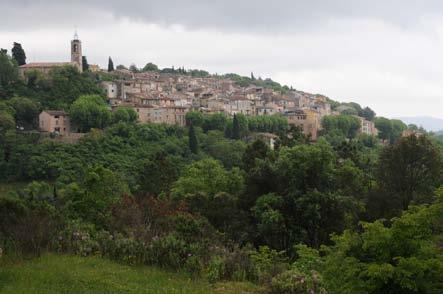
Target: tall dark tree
[[257, 150], [367, 113], [85, 63], [409, 170], [193, 141], [252, 76], [19, 54], [110, 64], [235, 128]]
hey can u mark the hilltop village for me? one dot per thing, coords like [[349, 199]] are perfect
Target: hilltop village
[[159, 97]]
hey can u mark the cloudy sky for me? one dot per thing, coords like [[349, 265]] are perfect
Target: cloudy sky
[[387, 54]]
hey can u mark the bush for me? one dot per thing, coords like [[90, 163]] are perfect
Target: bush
[[267, 263], [293, 281]]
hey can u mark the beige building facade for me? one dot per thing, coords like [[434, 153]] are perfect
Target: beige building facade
[[54, 121]]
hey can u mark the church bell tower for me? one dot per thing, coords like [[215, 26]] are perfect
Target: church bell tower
[[76, 52]]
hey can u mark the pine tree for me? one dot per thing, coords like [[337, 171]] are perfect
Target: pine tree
[[252, 76], [235, 128], [110, 64], [193, 141], [85, 64], [19, 54]]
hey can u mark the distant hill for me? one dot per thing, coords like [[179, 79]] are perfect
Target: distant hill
[[427, 122]]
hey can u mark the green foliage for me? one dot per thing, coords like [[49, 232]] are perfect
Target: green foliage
[[194, 118], [402, 258], [276, 124], [90, 111], [227, 151], [389, 130], [247, 81], [193, 141], [50, 273], [344, 125], [110, 64], [18, 54], [409, 171], [367, 113], [257, 150], [25, 111], [60, 88], [267, 263], [85, 64], [159, 173], [124, 114], [207, 177], [91, 200], [150, 67], [8, 75]]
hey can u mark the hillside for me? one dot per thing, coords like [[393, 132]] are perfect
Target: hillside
[[69, 274], [429, 123]]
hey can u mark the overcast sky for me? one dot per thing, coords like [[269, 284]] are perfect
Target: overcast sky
[[385, 54]]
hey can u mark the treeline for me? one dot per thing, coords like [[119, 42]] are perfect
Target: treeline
[[232, 210]]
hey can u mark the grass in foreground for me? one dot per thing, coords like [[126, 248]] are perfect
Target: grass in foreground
[[72, 274]]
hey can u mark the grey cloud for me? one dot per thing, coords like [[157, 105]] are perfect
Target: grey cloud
[[225, 15]]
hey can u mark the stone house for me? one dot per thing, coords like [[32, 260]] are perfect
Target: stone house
[[308, 120], [54, 121]]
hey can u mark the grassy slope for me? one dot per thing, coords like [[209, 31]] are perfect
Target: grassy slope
[[70, 274]]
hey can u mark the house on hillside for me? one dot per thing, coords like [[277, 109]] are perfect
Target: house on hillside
[[54, 121]]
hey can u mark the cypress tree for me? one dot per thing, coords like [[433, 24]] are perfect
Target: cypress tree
[[85, 64], [235, 128], [110, 64], [193, 141], [19, 54]]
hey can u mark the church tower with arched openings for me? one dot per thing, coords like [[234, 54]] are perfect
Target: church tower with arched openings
[[76, 52]]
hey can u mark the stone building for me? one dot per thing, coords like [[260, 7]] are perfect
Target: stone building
[[46, 67], [54, 121]]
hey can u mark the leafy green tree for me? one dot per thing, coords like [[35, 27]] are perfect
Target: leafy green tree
[[124, 114], [216, 121], [389, 130], [18, 54], [63, 86], [257, 150], [133, 68], [150, 67], [26, 111], [194, 118], [207, 177], [121, 66], [110, 64], [227, 151], [346, 125], [159, 173], [92, 199], [85, 64], [409, 171], [193, 140], [90, 111], [367, 113], [8, 75], [402, 258]]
